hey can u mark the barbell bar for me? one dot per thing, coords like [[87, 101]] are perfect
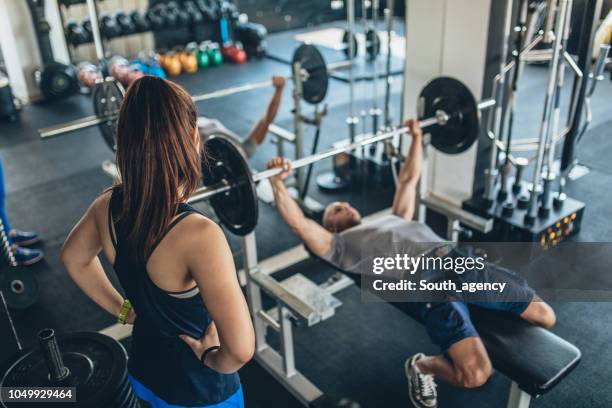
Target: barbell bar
[[264, 84], [228, 172], [308, 55], [206, 192]]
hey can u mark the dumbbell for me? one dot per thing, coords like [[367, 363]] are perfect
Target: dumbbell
[[230, 10], [140, 21], [183, 19], [75, 33], [155, 19], [193, 11], [108, 26], [170, 15], [125, 23], [87, 30], [209, 13]]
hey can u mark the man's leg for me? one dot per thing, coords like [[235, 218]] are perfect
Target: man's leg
[[464, 362], [467, 365], [539, 313]]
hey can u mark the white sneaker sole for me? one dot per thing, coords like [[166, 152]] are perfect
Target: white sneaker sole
[[414, 403]]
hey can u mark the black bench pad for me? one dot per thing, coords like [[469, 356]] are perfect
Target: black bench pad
[[533, 357]]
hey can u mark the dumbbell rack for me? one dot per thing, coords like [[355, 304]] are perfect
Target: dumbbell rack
[[210, 17]]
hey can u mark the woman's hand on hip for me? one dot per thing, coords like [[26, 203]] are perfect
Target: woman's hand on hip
[[210, 339]]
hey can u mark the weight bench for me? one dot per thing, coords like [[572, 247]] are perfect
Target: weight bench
[[535, 359]]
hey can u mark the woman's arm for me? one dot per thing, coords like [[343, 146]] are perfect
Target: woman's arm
[[80, 257], [210, 261]]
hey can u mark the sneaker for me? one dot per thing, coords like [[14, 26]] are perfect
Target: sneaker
[[23, 238], [421, 387], [26, 256]]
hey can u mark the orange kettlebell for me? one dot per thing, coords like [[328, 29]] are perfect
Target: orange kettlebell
[[172, 64], [189, 62]]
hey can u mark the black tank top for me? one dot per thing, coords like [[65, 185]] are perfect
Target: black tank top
[[158, 358]]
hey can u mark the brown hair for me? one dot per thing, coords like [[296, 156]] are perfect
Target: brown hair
[[158, 160]]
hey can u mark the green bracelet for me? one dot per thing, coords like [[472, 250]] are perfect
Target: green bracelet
[[124, 311]]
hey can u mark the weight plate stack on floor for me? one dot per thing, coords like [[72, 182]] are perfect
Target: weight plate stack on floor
[[107, 96], [237, 208], [95, 364]]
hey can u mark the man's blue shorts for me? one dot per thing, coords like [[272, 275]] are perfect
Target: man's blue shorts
[[449, 322], [236, 400]]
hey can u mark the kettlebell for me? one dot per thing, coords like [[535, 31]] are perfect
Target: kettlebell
[[172, 64], [214, 53], [189, 62]]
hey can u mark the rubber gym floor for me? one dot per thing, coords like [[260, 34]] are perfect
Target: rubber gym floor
[[50, 184]]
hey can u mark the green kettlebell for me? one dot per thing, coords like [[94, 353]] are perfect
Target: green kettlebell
[[215, 54], [203, 58]]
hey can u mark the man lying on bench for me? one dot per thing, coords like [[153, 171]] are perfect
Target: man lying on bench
[[343, 241]]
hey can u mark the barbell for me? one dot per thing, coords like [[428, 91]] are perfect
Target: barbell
[[108, 94], [447, 110]]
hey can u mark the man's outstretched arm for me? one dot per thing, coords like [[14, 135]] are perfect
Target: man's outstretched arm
[[404, 201], [316, 238], [258, 133]]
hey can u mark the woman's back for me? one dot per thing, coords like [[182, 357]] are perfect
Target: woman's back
[[192, 326], [168, 303]]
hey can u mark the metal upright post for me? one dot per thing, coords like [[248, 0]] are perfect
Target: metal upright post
[[95, 29], [546, 115], [375, 111], [388, 13], [520, 30], [297, 121], [491, 173], [249, 249], [352, 120], [590, 15], [551, 137]]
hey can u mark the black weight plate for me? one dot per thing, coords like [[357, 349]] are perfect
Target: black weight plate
[[237, 208], [373, 43], [20, 287], [454, 98], [315, 87], [97, 364], [121, 395], [58, 80], [107, 96], [345, 45]]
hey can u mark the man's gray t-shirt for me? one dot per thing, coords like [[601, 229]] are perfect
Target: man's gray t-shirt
[[353, 250], [208, 127]]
